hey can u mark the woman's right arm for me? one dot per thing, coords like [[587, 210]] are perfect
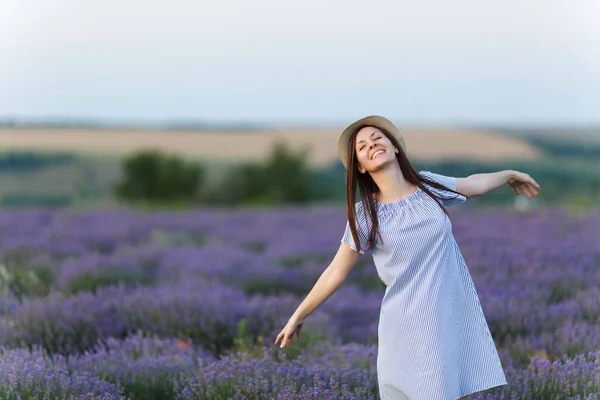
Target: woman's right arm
[[329, 281]]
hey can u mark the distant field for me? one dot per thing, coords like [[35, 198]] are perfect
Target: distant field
[[424, 144], [95, 156]]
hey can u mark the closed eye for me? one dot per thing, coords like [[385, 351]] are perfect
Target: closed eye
[[363, 146]]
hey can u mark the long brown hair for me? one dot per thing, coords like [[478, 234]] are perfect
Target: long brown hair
[[367, 187]]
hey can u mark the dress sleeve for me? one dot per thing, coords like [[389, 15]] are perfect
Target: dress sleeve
[[449, 182], [361, 230]]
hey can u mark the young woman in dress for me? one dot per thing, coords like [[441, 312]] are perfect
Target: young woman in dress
[[433, 339]]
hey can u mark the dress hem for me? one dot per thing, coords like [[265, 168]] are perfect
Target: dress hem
[[487, 387]]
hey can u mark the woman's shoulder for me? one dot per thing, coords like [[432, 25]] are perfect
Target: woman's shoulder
[[359, 209], [358, 206], [426, 174]]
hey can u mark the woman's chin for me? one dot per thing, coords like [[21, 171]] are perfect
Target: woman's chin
[[381, 163]]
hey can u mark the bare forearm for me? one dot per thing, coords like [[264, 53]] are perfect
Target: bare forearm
[[326, 285], [486, 182]]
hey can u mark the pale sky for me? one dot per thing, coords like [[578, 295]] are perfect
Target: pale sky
[[323, 61]]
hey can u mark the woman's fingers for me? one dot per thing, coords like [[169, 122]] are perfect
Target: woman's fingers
[[525, 190], [280, 338], [534, 188], [527, 185], [285, 338], [535, 184], [530, 189], [285, 342]]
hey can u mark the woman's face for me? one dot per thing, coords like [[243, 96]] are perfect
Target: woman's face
[[373, 150]]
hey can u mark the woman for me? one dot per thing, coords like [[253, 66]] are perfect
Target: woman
[[433, 340]]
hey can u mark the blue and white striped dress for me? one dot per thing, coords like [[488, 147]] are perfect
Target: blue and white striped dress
[[434, 342]]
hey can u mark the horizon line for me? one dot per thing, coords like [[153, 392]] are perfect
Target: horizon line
[[261, 124]]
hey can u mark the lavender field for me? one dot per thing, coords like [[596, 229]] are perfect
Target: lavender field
[[125, 304]]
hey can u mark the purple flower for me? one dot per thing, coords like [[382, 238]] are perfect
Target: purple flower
[[33, 375]]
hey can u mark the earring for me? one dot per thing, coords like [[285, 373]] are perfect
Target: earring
[[396, 150]]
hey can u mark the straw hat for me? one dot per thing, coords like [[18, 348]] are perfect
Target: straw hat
[[376, 121]]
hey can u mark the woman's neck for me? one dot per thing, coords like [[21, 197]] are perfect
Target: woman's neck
[[392, 185]]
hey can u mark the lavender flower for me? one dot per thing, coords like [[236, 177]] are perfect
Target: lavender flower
[[145, 367], [33, 375], [221, 283]]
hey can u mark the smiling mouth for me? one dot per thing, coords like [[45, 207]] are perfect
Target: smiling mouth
[[377, 154]]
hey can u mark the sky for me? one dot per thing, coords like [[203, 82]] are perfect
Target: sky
[[505, 62]]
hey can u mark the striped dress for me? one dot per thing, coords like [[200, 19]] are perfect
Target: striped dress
[[433, 339]]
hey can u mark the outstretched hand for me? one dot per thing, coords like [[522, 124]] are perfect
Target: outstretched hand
[[525, 183], [293, 326]]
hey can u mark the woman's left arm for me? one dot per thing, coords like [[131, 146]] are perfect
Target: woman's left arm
[[480, 184]]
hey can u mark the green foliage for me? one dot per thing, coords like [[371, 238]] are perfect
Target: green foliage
[[569, 176], [287, 176], [19, 200], [24, 282], [241, 184], [255, 247], [284, 177], [91, 282], [23, 161], [565, 147], [153, 177], [247, 345], [309, 338]]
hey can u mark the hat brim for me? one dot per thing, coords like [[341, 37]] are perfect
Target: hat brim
[[375, 121]]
